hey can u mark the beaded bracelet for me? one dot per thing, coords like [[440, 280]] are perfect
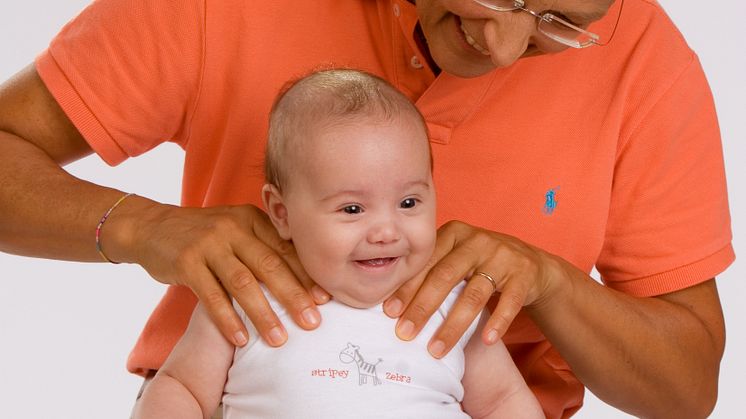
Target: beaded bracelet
[[101, 223]]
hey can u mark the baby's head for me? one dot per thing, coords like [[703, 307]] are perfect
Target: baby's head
[[349, 181]]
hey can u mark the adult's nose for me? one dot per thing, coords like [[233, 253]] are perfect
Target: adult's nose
[[508, 35]]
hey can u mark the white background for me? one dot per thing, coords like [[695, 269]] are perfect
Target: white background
[[66, 328]]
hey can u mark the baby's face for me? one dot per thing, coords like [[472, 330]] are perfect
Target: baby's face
[[361, 208]]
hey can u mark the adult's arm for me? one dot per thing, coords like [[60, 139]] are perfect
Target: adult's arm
[[46, 212], [652, 357]]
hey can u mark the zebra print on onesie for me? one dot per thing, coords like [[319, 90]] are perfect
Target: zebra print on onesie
[[353, 365]]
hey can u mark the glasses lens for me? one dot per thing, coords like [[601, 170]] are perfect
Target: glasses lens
[[501, 5], [564, 32]]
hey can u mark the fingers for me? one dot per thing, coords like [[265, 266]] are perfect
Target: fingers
[[510, 266], [440, 280], [395, 305], [467, 307], [218, 305], [512, 299], [226, 251], [268, 235]]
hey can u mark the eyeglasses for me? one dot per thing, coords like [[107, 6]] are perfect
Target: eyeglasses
[[549, 25]]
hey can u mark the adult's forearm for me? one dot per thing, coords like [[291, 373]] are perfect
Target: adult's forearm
[[652, 357], [45, 211]]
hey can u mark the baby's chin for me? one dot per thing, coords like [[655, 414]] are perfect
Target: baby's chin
[[361, 301]]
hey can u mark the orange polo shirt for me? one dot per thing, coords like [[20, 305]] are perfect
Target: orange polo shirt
[[608, 156]]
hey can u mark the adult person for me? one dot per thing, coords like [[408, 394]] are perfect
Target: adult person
[[553, 159]]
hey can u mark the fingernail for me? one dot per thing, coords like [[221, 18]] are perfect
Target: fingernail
[[311, 316], [492, 336], [393, 307], [405, 330], [240, 339], [276, 336], [319, 295], [437, 348]]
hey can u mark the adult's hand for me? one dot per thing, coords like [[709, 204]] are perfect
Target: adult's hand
[[219, 252], [521, 274], [193, 247], [682, 332]]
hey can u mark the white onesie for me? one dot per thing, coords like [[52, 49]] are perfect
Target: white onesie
[[352, 366]]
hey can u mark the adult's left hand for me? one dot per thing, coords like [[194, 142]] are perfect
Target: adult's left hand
[[520, 276]]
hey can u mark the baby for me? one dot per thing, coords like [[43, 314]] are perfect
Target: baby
[[349, 181]]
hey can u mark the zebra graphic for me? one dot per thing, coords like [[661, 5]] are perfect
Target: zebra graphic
[[364, 369]]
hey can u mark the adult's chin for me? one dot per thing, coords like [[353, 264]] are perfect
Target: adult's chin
[[462, 65]]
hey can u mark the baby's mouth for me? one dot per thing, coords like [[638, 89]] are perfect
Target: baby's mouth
[[471, 41], [377, 262]]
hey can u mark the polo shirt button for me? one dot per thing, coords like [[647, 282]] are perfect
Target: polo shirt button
[[397, 11], [415, 62]]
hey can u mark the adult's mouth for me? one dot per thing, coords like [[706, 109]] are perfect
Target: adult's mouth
[[470, 39]]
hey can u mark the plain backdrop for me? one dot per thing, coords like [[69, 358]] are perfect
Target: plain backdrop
[[66, 328]]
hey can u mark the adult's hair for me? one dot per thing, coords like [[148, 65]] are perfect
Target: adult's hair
[[324, 99]]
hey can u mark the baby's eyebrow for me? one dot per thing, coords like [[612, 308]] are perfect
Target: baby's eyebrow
[[347, 192], [414, 183], [357, 193]]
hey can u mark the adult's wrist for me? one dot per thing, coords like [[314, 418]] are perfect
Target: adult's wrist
[[122, 236], [556, 286]]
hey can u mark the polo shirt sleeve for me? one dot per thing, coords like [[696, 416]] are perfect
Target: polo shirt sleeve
[[127, 73], [669, 223]]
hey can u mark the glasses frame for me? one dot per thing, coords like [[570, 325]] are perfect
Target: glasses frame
[[593, 39]]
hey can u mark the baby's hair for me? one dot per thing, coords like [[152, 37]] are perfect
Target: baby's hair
[[322, 99]]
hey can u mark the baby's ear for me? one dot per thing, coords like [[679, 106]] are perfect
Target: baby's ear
[[276, 209]]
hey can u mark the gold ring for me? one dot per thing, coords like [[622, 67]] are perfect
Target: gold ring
[[489, 278]]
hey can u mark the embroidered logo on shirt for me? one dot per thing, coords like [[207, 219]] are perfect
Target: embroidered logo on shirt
[[364, 369], [550, 201]]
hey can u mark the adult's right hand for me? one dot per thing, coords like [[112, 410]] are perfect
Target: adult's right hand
[[219, 252], [216, 252]]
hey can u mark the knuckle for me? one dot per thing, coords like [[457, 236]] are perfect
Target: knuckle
[[186, 263], [449, 225], [500, 321], [482, 239], [300, 297], [227, 223], [270, 262], [296, 297], [263, 318], [240, 280], [474, 298], [284, 247], [505, 253], [418, 311], [213, 298], [453, 227], [442, 275], [449, 333], [513, 302], [186, 257]]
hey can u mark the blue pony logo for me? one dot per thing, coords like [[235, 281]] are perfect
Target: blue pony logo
[[550, 201]]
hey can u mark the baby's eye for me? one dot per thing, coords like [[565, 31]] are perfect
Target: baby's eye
[[352, 209], [408, 203]]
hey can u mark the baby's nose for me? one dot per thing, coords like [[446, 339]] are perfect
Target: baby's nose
[[383, 232]]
